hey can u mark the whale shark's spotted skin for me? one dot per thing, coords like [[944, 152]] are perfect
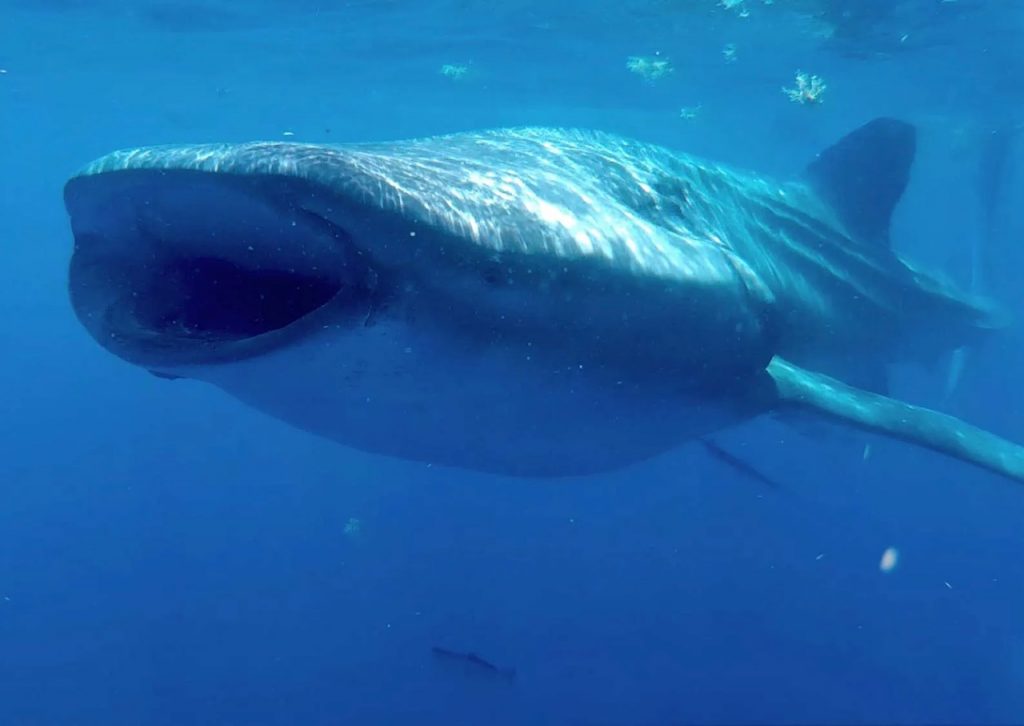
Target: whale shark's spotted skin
[[637, 208], [527, 301]]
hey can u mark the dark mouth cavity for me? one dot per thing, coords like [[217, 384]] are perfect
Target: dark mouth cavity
[[212, 298]]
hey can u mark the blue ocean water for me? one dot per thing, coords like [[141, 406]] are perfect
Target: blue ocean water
[[169, 556]]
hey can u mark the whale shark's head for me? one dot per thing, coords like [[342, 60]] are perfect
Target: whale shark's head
[[200, 254]]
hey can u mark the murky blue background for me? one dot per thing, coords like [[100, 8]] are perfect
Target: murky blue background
[[168, 556]]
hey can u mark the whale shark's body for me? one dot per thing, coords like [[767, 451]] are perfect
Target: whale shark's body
[[528, 301]]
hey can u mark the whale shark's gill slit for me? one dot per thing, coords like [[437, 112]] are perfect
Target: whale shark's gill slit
[[215, 299]]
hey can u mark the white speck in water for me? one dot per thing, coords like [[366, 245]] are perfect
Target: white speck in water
[[287, 133], [820, 556], [948, 586], [890, 558]]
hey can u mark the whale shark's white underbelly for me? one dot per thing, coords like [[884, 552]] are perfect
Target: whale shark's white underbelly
[[494, 407]]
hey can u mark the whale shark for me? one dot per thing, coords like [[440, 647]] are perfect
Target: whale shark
[[531, 302]]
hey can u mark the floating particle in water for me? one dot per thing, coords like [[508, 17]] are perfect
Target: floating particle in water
[[729, 52], [649, 67], [455, 71], [689, 113], [808, 89], [353, 528], [890, 558], [738, 5]]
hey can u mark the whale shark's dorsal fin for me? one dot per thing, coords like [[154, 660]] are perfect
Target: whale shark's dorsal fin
[[881, 414], [862, 176]]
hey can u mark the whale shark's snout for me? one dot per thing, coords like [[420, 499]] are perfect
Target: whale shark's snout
[[179, 266]]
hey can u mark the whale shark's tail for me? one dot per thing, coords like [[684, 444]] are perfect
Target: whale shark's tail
[[884, 415]]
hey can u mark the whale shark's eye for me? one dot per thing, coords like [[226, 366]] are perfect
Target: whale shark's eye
[[496, 275]]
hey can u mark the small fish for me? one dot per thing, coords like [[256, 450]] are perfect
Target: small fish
[[473, 663], [733, 461]]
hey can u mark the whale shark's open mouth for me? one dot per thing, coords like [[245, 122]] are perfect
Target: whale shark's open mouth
[[178, 266], [219, 299]]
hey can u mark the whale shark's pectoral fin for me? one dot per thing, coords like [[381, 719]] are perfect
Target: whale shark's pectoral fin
[[884, 415]]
